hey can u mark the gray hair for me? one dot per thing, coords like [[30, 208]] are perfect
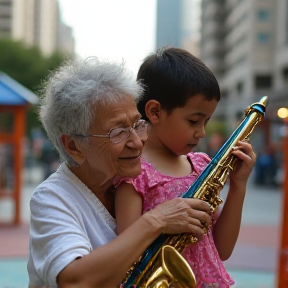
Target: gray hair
[[70, 93]]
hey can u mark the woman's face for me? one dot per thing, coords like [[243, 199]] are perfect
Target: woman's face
[[105, 158]]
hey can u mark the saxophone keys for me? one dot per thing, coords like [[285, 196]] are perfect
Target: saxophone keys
[[193, 239], [234, 148], [205, 227]]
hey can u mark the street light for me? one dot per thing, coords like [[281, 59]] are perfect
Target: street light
[[282, 113], [283, 252]]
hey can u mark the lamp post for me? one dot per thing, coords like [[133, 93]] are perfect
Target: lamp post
[[282, 277]]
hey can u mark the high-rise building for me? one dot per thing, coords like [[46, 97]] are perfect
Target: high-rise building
[[191, 25], [36, 23], [178, 24], [168, 28], [245, 43], [5, 18]]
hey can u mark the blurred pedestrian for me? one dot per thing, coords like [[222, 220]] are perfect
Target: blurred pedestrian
[[266, 166], [215, 142], [50, 159]]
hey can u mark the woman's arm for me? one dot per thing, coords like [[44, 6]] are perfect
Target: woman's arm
[[107, 266], [227, 227]]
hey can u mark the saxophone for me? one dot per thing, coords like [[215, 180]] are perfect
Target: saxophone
[[162, 265]]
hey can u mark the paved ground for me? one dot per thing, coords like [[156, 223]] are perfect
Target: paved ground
[[253, 263]]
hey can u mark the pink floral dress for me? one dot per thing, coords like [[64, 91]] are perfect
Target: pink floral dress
[[156, 188]]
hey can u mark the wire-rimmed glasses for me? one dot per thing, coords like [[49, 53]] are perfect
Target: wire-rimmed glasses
[[116, 135]]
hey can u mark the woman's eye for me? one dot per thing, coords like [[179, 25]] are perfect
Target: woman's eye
[[121, 130], [117, 132]]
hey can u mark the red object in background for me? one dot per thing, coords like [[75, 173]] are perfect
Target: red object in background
[[282, 279], [15, 99], [15, 138]]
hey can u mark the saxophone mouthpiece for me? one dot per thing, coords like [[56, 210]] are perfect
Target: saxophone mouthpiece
[[258, 106], [264, 100]]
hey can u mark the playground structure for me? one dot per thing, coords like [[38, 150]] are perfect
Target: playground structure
[[15, 99]]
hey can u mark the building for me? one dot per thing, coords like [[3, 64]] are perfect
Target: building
[[36, 23], [5, 18], [178, 24], [245, 43]]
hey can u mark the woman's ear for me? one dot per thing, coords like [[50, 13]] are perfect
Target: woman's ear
[[72, 148], [152, 110]]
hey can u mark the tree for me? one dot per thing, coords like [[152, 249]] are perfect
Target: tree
[[28, 67]]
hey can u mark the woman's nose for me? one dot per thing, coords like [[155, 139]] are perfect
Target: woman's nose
[[134, 141]]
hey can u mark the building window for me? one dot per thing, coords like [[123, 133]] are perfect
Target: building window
[[224, 93], [239, 88], [239, 116], [285, 73], [5, 3], [263, 81], [263, 15], [263, 37]]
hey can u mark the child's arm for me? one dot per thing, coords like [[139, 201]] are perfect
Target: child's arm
[[128, 206], [226, 229]]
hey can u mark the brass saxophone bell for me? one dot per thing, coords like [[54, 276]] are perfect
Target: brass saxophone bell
[[174, 271]]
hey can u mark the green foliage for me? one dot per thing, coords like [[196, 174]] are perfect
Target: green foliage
[[216, 127], [29, 67]]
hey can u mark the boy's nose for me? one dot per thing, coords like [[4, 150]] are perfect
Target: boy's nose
[[201, 133]]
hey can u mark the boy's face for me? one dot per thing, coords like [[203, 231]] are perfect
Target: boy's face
[[181, 130]]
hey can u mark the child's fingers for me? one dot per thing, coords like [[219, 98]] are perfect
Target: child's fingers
[[244, 151]]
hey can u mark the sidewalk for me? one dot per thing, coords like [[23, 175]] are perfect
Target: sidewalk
[[14, 240], [253, 263]]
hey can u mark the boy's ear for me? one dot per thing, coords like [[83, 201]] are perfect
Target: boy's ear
[[72, 148], [152, 110]]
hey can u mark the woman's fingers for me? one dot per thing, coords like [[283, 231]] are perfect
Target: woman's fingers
[[199, 218], [196, 231], [198, 204], [201, 211], [185, 216]]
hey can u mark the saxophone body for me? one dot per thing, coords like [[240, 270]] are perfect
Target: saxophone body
[[162, 265]]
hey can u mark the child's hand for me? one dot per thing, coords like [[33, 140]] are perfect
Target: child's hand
[[245, 163]]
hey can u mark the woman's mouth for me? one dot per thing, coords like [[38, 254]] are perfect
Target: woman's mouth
[[130, 157]]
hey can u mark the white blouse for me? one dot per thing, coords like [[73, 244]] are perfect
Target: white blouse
[[67, 221]]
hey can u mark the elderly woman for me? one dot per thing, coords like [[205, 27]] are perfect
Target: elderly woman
[[89, 113]]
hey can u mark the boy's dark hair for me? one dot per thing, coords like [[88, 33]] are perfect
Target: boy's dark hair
[[172, 76]]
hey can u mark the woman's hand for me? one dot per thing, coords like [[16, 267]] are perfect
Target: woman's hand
[[183, 216]]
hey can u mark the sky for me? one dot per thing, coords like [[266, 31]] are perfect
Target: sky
[[112, 29]]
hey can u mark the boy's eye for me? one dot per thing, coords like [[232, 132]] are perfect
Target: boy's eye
[[193, 121], [206, 121]]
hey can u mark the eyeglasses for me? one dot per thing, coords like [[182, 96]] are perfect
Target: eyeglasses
[[117, 135]]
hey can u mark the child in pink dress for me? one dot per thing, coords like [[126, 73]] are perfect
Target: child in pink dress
[[181, 94]]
